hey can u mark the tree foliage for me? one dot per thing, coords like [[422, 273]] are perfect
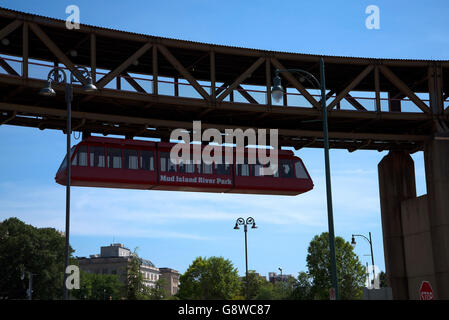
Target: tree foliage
[[303, 287], [135, 286], [99, 287], [23, 249], [209, 279], [350, 272], [255, 283]]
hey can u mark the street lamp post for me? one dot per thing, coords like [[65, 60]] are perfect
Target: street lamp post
[[353, 242], [54, 76], [277, 92], [242, 222]]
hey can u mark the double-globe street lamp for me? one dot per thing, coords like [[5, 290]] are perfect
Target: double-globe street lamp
[[353, 242], [58, 76], [277, 93], [241, 222]]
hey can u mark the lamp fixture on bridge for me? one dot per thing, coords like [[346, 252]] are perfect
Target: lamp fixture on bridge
[[48, 91], [277, 91]]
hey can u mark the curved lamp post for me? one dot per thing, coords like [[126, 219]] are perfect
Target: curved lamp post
[[371, 247], [58, 76], [277, 92], [242, 222]]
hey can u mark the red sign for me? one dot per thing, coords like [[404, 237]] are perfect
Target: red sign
[[425, 292]]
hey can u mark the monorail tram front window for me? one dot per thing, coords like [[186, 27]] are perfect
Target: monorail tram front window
[[300, 170], [64, 162], [131, 159], [286, 168], [114, 158], [80, 158], [97, 158], [147, 160]]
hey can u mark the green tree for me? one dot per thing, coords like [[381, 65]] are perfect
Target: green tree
[[268, 292], [24, 248], [255, 283], [303, 287], [158, 291], [209, 279], [99, 287], [383, 280], [350, 271], [135, 286]]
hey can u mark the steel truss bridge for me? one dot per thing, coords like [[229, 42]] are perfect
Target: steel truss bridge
[[150, 85]]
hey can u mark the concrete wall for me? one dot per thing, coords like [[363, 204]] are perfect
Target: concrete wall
[[396, 183], [436, 156], [417, 245]]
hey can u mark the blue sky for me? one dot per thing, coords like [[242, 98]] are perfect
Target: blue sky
[[172, 228]]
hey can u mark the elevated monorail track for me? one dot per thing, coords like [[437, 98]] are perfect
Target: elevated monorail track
[[150, 85]]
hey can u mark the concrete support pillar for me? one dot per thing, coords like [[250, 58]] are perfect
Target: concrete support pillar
[[436, 155], [396, 183]]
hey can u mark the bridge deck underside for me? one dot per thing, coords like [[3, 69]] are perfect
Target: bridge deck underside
[[150, 85]]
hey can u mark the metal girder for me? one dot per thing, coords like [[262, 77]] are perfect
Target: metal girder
[[57, 52], [403, 88], [351, 86], [345, 75], [185, 74], [26, 109], [122, 67], [240, 79]]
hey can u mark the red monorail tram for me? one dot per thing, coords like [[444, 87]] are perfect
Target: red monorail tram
[[137, 164]]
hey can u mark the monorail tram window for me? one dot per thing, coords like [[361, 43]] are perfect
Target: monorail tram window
[[114, 158], [163, 157], [80, 158], [286, 168], [190, 167], [131, 159], [271, 170], [182, 167], [147, 160], [256, 169], [243, 170], [223, 168], [207, 168], [171, 165], [166, 164], [300, 171], [96, 154]]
